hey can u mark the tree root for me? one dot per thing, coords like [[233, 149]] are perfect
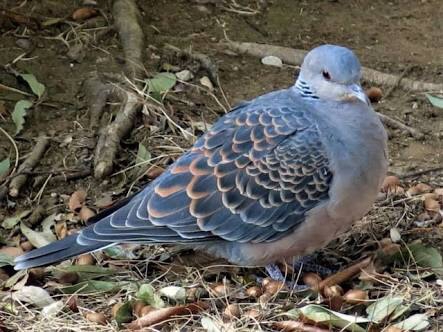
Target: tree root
[[127, 23], [390, 122], [20, 179], [295, 57]]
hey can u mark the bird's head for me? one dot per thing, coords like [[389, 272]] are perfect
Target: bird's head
[[331, 72]]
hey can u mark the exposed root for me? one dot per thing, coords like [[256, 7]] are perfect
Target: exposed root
[[97, 94], [20, 179], [109, 140], [346, 274], [203, 59], [400, 125], [127, 23], [295, 57]]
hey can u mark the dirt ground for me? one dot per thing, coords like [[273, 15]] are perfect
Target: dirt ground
[[401, 37]]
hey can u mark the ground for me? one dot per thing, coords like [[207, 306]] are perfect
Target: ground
[[397, 37]]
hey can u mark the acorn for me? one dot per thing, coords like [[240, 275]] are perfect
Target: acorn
[[232, 311], [312, 280], [274, 286], [85, 259], [390, 183], [96, 317], [220, 289], [356, 296], [374, 94], [254, 292], [332, 291]]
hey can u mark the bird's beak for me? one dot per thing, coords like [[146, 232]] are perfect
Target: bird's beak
[[355, 92]]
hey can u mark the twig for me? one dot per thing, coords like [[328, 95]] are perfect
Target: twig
[[17, 156], [109, 141], [127, 23], [97, 94], [160, 315], [422, 172], [33, 159], [295, 57], [64, 177], [400, 125], [205, 61], [28, 21], [346, 274], [393, 87], [5, 87]]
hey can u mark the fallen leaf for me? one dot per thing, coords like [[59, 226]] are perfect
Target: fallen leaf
[[415, 322], [160, 315], [19, 113], [10, 222], [4, 167], [37, 88], [124, 313], [6, 260], [205, 81], [142, 154], [427, 257], [383, 308], [43, 238], [93, 286], [160, 84], [435, 101], [147, 294], [34, 295], [84, 272], [52, 309], [210, 325], [326, 316]]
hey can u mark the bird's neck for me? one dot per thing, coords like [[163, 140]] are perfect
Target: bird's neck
[[303, 88]]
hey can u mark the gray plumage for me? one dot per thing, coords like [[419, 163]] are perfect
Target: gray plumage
[[278, 176]]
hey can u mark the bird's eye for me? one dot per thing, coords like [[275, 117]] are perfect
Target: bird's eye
[[326, 75]]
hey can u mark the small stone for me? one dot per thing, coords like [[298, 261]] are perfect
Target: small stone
[[184, 75], [272, 60]]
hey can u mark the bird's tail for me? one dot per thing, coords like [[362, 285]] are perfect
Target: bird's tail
[[55, 251]]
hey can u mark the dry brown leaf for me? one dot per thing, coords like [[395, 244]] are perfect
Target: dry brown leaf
[[418, 189], [431, 204], [76, 200], [312, 280], [84, 13], [154, 173], [294, 326], [160, 315]]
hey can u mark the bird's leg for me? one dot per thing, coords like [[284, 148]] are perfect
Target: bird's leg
[[276, 274], [308, 264]]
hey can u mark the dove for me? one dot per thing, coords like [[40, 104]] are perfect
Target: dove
[[277, 177]]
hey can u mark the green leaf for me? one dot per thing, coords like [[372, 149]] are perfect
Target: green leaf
[[6, 260], [4, 166], [124, 313], [383, 308], [93, 286], [10, 222], [160, 84], [427, 257], [147, 294], [435, 101], [35, 85], [416, 322], [142, 154], [118, 252], [19, 113], [326, 316], [84, 272]]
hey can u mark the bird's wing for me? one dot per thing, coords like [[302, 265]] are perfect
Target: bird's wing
[[251, 178]]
